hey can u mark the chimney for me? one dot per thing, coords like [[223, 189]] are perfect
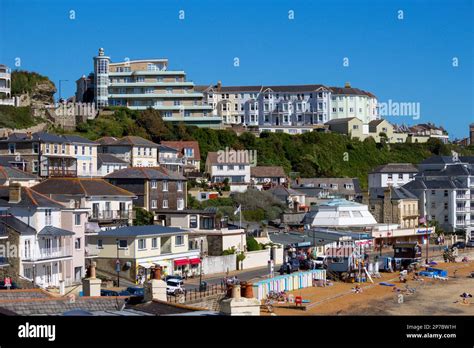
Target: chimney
[[157, 273], [236, 293], [219, 85], [155, 289], [29, 135], [91, 285], [14, 193], [347, 85]]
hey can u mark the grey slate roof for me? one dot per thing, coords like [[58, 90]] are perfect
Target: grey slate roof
[[126, 141], [397, 193], [23, 294], [16, 224], [14, 173], [85, 187], [450, 170], [78, 139], [29, 198], [134, 231], [395, 168], [54, 231], [147, 173], [109, 158]]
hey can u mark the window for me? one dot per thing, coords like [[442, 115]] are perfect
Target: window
[[446, 218], [142, 244], [355, 126], [35, 148], [35, 167], [75, 149], [154, 243], [445, 193], [445, 205], [389, 176], [47, 217], [77, 219], [220, 167], [63, 148], [433, 192], [193, 221], [179, 240], [180, 204], [433, 205], [165, 185], [165, 203], [77, 243], [230, 167], [154, 184], [46, 146], [400, 176], [99, 244], [180, 186], [83, 150], [241, 167], [123, 244], [154, 203]]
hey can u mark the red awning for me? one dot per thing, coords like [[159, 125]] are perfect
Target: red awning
[[181, 262], [195, 261]]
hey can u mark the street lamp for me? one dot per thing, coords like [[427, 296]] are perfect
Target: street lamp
[[60, 87], [117, 264]]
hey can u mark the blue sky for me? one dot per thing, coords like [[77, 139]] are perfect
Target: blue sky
[[407, 60]]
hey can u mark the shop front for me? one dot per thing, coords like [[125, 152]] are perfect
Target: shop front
[[187, 267], [391, 237]]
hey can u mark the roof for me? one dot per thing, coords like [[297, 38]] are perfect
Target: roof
[[31, 302], [295, 238], [340, 182], [283, 192], [134, 231], [78, 139], [397, 193], [29, 198], [181, 145], [157, 307], [109, 158], [438, 160], [341, 120], [54, 231], [164, 148], [340, 203], [16, 224], [267, 172], [126, 141], [80, 186], [350, 91], [146, 173], [450, 170], [7, 173], [239, 157], [395, 168]]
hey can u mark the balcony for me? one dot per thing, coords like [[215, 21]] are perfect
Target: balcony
[[109, 215], [462, 197], [168, 160], [462, 210], [91, 251], [47, 253], [61, 172]]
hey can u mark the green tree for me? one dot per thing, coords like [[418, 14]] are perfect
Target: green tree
[[142, 217]]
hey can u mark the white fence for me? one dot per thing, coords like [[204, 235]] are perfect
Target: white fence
[[219, 264]]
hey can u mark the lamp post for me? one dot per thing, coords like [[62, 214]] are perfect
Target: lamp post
[[200, 264], [60, 87], [117, 264]]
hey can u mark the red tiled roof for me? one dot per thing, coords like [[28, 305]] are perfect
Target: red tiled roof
[[180, 145]]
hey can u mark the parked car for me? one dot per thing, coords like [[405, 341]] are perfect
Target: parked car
[[13, 287], [136, 292], [173, 276], [470, 244], [174, 286], [293, 265], [107, 292], [459, 245], [320, 261]]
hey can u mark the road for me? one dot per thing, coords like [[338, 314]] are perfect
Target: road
[[245, 275]]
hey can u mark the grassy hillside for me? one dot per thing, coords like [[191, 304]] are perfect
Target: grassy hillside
[[309, 154], [16, 118], [25, 81]]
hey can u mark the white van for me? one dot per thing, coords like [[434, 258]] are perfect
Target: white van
[[174, 286], [320, 261]]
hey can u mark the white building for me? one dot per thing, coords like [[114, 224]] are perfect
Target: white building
[[340, 213], [445, 188], [136, 151], [107, 163], [392, 174], [46, 251], [275, 108], [235, 167], [5, 86]]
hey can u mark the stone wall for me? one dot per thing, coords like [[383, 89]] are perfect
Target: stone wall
[[219, 264], [9, 248]]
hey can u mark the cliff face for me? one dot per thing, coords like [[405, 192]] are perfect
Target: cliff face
[[33, 89]]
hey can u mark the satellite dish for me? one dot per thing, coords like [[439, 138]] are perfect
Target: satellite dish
[[17, 157]]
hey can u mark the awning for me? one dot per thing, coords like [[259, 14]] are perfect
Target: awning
[[145, 265], [195, 261], [181, 262]]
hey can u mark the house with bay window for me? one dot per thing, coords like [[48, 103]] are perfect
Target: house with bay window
[[46, 251], [141, 247], [136, 151], [236, 169]]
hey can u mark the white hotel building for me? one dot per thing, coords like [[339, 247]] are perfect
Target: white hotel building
[[297, 107], [142, 84]]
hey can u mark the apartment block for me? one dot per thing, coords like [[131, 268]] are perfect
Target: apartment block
[[148, 83], [288, 106], [5, 86]]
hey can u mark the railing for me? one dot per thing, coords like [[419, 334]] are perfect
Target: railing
[[47, 253], [195, 294], [462, 210], [167, 160], [62, 172], [4, 261], [112, 215], [91, 251]]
